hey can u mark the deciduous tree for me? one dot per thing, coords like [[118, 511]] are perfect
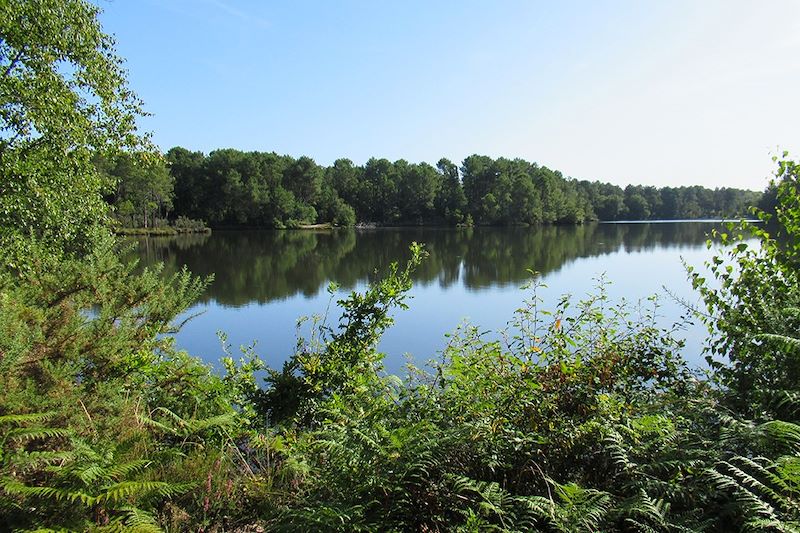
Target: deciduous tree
[[63, 98]]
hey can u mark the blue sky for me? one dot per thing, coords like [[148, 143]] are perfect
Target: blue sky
[[663, 93]]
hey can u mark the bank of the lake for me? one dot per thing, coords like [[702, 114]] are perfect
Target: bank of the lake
[[165, 231]]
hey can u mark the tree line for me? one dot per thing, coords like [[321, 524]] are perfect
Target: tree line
[[233, 188]]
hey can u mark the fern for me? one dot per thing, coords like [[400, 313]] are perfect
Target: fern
[[91, 480], [174, 424], [758, 488], [12, 439], [20, 419]]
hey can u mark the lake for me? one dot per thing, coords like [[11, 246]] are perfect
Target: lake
[[265, 280]]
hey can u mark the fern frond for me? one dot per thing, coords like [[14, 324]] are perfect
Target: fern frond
[[789, 399], [127, 469], [52, 493], [745, 479], [368, 441], [91, 473], [772, 525], [36, 459], [139, 521], [787, 433], [749, 502], [539, 507], [27, 434], [580, 508], [178, 425], [615, 447], [18, 419], [220, 421], [123, 490], [638, 526], [645, 513], [146, 420]]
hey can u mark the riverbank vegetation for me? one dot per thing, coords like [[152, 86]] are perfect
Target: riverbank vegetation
[[162, 227], [141, 195], [586, 419]]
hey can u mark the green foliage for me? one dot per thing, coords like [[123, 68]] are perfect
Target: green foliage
[[63, 97], [582, 417], [348, 361], [497, 437], [144, 188], [86, 484], [753, 312], [234, 188], [83, 341]]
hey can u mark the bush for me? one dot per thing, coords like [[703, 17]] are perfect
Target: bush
[[343, 214], [188, 225], [753, 312], [102, 419]]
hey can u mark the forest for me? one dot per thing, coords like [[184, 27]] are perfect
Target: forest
[[231, 188], [586, 420]]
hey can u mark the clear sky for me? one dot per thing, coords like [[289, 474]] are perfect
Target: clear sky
[[674, 92]]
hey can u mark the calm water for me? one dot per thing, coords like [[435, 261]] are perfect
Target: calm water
[[265, 280]]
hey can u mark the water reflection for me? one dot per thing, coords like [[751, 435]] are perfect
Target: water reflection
[[263, 266]]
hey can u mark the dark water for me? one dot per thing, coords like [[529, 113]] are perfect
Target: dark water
[[265, 280]]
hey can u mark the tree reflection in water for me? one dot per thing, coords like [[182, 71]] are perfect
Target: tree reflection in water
[[262, 266]]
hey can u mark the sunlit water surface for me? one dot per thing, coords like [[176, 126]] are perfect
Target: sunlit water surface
[[265, 280]]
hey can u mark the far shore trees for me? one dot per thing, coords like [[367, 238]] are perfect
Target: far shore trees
[[233, 188]]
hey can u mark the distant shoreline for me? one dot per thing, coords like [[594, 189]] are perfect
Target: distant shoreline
[[158, 232], [327, 226], [682, 220]]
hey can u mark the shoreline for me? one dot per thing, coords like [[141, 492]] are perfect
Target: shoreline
[[157, 232]]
